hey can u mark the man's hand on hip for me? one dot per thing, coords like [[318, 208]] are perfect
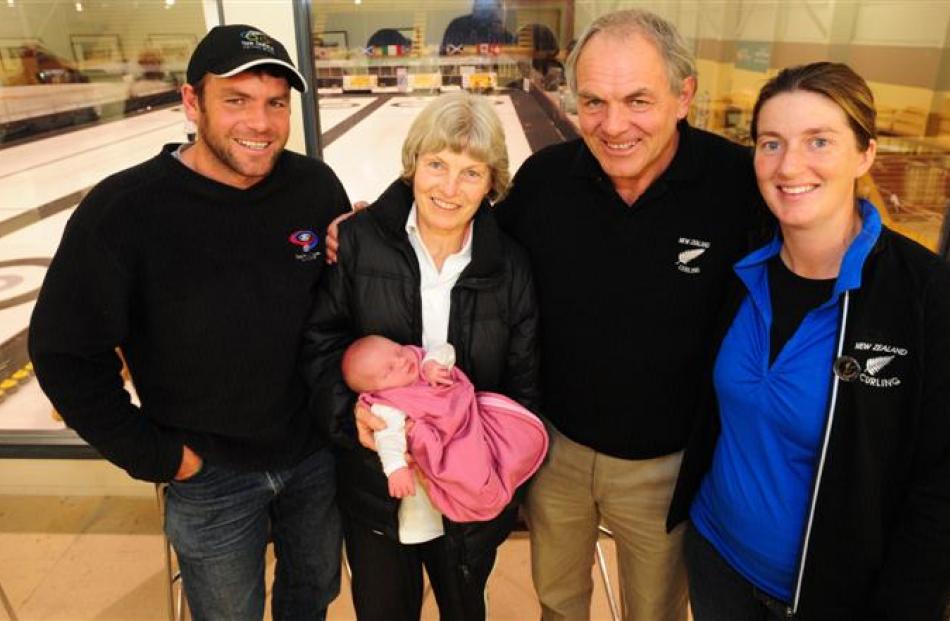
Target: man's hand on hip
[[191, 464]]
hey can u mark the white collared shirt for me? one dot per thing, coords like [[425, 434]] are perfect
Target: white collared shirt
[[435, 287]]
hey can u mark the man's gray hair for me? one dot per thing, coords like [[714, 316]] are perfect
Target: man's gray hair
[[680, 63]]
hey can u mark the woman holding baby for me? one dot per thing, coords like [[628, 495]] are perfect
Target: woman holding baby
[[425, 265]]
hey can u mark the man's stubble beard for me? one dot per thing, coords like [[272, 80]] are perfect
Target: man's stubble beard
[[220, 147]]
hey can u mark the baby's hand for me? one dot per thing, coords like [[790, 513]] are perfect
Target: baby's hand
[[437, 374], [401, 483]]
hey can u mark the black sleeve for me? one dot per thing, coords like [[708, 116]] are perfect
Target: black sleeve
[[326, 336], [81, 316], [915, 578], [510, 212], [522, 377]]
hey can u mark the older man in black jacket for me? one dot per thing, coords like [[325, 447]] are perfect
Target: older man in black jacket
[[631, 232]]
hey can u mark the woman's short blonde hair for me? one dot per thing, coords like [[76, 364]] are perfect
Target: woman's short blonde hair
[[463, 123]]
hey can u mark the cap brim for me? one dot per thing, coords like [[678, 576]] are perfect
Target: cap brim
[[296, 79]]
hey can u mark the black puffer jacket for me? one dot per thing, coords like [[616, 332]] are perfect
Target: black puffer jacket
[[375, 290]]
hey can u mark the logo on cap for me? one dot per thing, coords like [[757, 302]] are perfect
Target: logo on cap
[[255, 39]]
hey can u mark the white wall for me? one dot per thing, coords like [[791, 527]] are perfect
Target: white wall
[[916, 23], [921, 23]]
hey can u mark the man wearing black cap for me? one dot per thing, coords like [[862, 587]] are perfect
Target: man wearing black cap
[[200, 264]]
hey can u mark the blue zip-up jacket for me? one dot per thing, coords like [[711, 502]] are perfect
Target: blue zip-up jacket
[[876, 543], [753, 503]]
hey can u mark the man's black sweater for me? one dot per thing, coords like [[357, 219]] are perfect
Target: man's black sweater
[[205, 288], [627, 293]]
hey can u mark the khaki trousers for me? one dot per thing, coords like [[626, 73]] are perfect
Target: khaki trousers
[[576, 490]]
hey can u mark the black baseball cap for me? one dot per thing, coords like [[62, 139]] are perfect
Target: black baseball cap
[[228, 50]]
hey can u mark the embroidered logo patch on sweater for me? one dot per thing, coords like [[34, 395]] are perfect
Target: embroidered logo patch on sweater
[[696, 247], [307, 241], [876, 368]]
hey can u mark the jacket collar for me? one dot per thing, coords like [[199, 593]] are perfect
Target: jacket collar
[[391, 210], [852, 264], [276, 180]]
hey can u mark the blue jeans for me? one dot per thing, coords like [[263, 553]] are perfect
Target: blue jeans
[[717, 592], [219, 523]]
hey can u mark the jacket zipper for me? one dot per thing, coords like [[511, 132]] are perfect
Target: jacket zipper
[[790, 611]]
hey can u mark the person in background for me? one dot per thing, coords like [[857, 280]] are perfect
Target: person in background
[[200, 264], [544, 50], [485, 24], [819, 471], [389, 36], [425, 265], [631, 231]]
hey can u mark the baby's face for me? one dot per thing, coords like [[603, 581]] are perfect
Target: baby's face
[[391, 365]]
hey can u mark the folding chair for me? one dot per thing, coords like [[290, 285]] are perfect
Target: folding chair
[[615, 612], [176, 604]]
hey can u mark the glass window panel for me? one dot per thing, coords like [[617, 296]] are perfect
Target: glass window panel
[[87, 88], [900, 48]]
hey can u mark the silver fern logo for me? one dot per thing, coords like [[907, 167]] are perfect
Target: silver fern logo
[[696, 249], [876, 364], [688, 255]]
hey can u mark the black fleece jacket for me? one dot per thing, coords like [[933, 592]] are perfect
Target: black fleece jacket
[[375, 290], [879, 545], [202, 288]]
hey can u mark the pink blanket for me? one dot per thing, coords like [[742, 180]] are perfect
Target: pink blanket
[[474, 449]]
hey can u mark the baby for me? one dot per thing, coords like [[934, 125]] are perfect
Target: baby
[[373, 364], [474, 449]]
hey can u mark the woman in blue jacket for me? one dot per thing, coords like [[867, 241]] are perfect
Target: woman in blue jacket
[[819, 475]]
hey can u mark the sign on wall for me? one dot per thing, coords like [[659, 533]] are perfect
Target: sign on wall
[[753, 55]]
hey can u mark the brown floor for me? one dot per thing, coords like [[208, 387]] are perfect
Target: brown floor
[[73, 558]]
